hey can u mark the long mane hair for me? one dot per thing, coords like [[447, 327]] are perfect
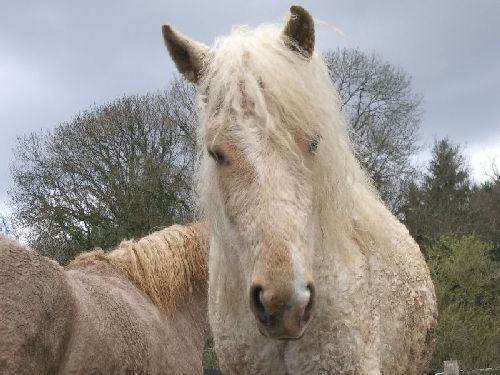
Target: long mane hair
[[289, 95], [168, 265]]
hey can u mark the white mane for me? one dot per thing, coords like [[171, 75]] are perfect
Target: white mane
[[289, 95]]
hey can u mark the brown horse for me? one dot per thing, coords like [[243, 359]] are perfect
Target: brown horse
[[309, 271], [140, 309]]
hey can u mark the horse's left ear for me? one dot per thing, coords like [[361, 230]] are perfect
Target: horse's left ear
[[189, 56], [299, 31]]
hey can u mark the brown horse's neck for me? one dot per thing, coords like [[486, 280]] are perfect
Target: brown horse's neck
[[170, 266], [191, 318]]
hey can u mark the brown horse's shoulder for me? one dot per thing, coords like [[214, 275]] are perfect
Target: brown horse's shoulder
[[118, 329]]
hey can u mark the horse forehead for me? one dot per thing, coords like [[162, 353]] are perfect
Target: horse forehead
[[244, 148]]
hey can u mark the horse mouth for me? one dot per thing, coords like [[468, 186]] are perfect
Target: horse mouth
[[281, 338], [290, 338]]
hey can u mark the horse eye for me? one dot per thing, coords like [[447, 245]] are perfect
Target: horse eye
[[216, 155], [314, 143]]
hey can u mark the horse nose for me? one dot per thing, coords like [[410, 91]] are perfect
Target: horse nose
[[282, 317], [257, 304]]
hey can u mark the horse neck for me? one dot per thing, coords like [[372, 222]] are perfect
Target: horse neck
[[192, 314], [170, 266]]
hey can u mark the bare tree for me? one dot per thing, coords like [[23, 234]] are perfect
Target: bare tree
[[6, 225], [494, 174], [114, 171], [384, 114]]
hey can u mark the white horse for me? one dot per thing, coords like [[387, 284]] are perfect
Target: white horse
[[309, 273]]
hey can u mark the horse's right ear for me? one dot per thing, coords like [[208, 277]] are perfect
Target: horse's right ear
[[189, 56]]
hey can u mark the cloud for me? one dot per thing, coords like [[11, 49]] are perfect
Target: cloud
[[59, 57], [483, 157]]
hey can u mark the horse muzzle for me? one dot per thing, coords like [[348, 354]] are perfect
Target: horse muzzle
[[282, 320]]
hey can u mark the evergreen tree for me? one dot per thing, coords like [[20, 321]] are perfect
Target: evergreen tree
[[485, 208], [440, 203]]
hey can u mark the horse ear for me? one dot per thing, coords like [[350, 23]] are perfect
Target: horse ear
[[299, 31], [189, 56]]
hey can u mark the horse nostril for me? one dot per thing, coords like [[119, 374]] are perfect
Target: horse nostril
[[307, 311], [256, 294]]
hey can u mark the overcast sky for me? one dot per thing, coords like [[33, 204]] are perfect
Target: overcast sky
[[59, 57]]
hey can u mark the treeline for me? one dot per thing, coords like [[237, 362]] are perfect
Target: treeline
[[124, 169], [115, 171], [457, 226]]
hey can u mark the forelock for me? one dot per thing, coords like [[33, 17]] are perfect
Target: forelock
[[253, 73]]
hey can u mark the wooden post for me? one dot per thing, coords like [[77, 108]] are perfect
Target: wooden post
[[451, 367]]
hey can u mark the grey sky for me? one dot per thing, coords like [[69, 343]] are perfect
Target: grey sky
[[59, 57]]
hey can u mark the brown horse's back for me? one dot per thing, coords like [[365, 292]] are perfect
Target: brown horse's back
[[36, 311]]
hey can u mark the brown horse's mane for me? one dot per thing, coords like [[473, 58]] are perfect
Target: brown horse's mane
[[167, 265]]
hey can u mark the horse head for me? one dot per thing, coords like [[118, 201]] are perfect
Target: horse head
[[259, 140]]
